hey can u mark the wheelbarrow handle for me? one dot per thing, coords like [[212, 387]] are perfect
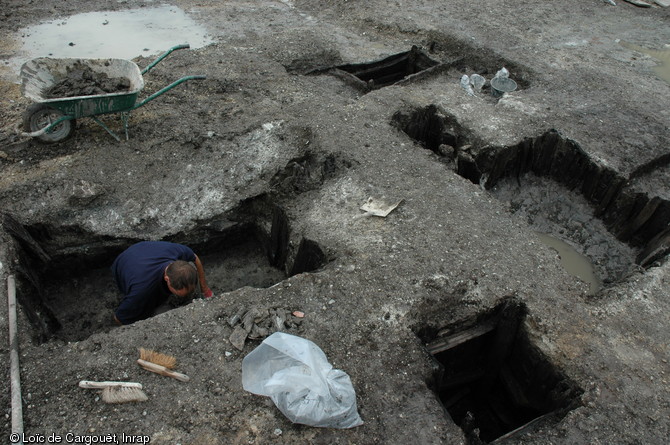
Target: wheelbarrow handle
[[164, 55], [167, 88]]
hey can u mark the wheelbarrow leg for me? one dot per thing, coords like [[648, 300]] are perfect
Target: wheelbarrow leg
[[99, 122], [124, 118]]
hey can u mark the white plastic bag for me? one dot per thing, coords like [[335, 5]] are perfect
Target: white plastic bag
[[502, 73], [296, 375], [465, 84]]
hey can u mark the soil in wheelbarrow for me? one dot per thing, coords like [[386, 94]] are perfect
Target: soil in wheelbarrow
[[81, 80]]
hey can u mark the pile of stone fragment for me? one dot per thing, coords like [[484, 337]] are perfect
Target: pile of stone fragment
[[257, 323]]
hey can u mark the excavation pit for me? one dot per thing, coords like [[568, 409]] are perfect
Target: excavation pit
[[494, 383], [435, 131], [84, 303], [391, 70], [69, 293], [638, 219], [565, 222], [557, 188]]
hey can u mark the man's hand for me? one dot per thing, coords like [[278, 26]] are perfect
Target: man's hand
[[206, 291]]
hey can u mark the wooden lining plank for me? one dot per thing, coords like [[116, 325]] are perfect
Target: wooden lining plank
[[446, 343]]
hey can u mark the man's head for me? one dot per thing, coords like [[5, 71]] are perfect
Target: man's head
[[181, 279]]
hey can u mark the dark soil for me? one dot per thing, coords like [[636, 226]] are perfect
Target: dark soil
[[81, 80]]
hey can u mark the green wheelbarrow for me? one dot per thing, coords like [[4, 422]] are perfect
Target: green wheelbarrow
[[52, 120]]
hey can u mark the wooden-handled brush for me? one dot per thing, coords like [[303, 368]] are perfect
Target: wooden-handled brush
[[89, 384], [162, 370], [117, 392], [160, 364]]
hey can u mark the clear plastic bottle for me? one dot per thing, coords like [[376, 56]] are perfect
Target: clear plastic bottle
[[477, 82]]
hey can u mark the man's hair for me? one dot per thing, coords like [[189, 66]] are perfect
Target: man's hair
[[182, 275]]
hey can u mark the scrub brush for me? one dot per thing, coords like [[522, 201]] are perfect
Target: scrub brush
[[168, 361], [160, 364], [117, 392]]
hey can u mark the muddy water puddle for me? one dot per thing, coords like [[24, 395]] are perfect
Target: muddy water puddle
[[599, 258], [573, 262], [663, 56], [110, 34]]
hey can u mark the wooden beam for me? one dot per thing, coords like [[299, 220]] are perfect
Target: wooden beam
[[15, 373], [446, 343], [14, 228]]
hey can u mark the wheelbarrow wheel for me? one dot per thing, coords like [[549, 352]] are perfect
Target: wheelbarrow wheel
[[39, 116]]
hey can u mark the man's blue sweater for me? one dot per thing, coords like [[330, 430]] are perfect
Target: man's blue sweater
[[139, 274]]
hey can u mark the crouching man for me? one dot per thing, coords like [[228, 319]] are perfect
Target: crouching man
[[149, 272]]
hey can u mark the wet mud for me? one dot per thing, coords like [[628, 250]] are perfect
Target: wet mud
[[81, 80]]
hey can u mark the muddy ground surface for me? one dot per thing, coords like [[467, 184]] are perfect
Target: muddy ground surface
[[273, 159]]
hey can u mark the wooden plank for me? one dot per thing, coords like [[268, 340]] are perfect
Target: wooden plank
[[634, 224], [446, 343], [392, 65], [14, 228], [15, 373], [522, 428], [655, 248]]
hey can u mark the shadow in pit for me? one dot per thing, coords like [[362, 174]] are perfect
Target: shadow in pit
[[493, 382], [393, 70], [440, 133], [442, 54], [634, 218], [66, 289]]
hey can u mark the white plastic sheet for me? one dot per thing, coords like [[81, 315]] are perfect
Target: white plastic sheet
[[296, 375]]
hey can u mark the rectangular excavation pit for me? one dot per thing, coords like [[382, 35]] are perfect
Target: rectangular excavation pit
[[69, 292], [435, 131], [388, 71], [84, 302], [494, 382], [567, 224], [636, 219], [559, 189]]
